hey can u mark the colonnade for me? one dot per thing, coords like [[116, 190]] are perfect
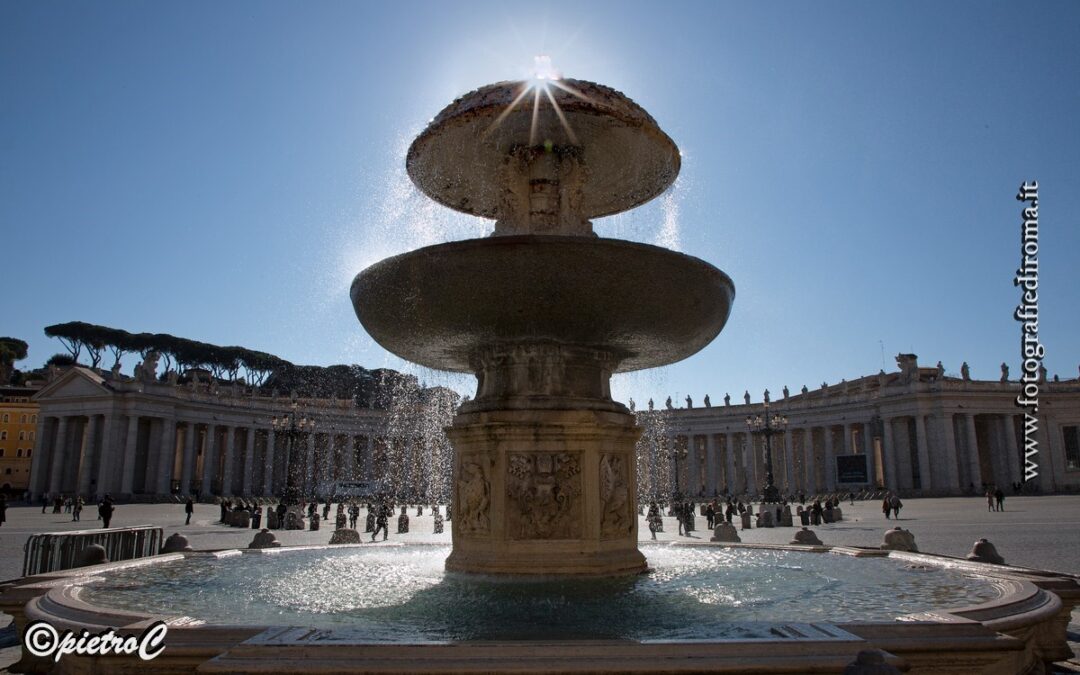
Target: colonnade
[[935, 453], [132, 455]]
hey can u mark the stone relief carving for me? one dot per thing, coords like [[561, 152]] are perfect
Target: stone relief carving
[[474, 499], [544, 491], [615, 518]]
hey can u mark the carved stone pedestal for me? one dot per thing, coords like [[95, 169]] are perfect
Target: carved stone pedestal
[[545, 492]]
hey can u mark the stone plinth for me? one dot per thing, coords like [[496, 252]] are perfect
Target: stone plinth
[[899, 539], [545, 492], [725, 532], [345, 536]]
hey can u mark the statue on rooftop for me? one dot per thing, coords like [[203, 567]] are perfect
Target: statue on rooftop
[[965, 372], [708, 403]]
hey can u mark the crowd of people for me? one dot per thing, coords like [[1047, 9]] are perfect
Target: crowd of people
[[347, 514], [74, 505]]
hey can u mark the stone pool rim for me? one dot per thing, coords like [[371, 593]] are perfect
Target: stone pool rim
[[1015, 632]]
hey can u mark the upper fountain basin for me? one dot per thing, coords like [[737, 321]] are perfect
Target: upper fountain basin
[[460, 159], [438, 305]]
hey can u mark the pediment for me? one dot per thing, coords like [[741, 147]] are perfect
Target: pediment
[[75, 383]]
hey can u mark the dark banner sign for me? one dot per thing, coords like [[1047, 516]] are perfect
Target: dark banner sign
[[851, 469]]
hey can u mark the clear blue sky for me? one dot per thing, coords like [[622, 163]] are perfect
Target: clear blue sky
[[221, 171]]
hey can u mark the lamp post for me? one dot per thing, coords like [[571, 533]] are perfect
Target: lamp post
[[292, 425], [676, 453], [768, 426]]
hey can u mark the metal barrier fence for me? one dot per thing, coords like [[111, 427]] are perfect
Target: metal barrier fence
[[61, 550]]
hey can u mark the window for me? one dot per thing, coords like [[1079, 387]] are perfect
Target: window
[[29, 451], [22, 419], [1072, 448], [3, 435], [7, 418], [33, 419], [18, 452], [1, 452], [31, 435], [22, 435], [7, 471]]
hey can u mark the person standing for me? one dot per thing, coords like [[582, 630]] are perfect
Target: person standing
[[381, 519], [886, 507], [105, 510], [999, 497], [76, 509], [189, 508], [990, 499], [896, 504], [710, 514], [3, 509]]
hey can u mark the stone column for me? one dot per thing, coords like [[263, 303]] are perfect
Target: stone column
[[847, 447], [952, 473], [923, 452], [272, 455], [249, 467], [888, 455], [188, 466], [127, 479], [750, 463], [830, 461], [1012, 452], [1048, 456], [349, 448], [729, 463], [809, 461], [974, 464], [309, 464], [369, 457], [86, 459], [268, 463], [230, 461], [38, 478], [166, 456], [789, 463], [109, 456], [711, 484], [59, 457], [210, 453], [871, 456], [691, 465]]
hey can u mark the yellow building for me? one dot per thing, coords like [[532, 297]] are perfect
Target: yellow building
[[18, 426]]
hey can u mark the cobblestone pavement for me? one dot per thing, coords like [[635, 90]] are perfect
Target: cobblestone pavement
[[1032, 531], [1039, 532]]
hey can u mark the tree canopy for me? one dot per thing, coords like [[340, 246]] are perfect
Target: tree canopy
[[369, 388]]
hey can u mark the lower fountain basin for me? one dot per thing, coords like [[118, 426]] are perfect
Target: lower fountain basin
[[716, 608], [402, 594], [439, 305]]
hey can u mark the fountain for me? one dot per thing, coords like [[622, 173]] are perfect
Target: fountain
[[543, 312]]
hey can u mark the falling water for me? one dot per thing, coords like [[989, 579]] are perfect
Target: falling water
[[415, 462]]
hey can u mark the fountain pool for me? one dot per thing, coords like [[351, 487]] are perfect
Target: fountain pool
[[402, 594]]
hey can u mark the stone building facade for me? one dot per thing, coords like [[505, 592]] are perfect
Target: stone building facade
[[915, 432], [142, 439], [18, 429]]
